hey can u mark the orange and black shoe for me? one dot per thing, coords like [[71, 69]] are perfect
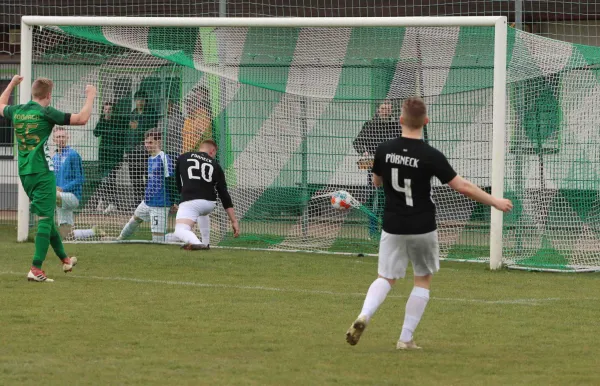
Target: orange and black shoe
[[36, 274]]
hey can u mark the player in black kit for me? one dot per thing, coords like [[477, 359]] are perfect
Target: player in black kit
[[199, 179], [405, 166]]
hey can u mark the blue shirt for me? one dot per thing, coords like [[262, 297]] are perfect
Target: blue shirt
[[69, 171], [159, 167]]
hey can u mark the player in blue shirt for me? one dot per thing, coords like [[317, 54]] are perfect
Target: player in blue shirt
[[69, 184], [156, 205]]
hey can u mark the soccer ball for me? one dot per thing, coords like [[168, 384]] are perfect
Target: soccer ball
[[341, 200]]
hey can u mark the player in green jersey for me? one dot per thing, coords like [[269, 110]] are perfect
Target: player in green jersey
[[33, 123]]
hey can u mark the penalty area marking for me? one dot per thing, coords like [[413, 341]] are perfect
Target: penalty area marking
[[524, 301]]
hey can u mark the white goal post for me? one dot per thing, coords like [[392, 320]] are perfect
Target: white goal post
[[28, 23]]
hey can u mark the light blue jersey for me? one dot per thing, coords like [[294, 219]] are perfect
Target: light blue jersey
[[159, 168], [68, 170]]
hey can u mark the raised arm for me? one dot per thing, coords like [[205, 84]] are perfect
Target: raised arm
[[5, 97], [82, 117]]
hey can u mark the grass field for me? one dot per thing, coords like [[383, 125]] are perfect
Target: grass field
[[140, 314]]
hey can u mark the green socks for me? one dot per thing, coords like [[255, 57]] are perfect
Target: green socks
[[42, 241], [47, 234], [56, 243]]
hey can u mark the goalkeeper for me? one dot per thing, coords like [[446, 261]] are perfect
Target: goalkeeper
[[383, 127], [33, 123]]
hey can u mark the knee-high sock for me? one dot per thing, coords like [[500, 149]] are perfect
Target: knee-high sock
[[56, 242], [375, 296], [415, 307], [204, 225], [185, 234], [42, 240]]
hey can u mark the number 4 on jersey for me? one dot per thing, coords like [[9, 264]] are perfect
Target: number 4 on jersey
[[406, 189]]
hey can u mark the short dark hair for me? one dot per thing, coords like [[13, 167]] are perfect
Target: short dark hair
[[155, 134], [414, 112], [140, 94]]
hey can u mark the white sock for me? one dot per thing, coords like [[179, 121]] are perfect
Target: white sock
[[129, 228], [83, 233], [204, 225], [185, 234], [415, 306], [375, 296]]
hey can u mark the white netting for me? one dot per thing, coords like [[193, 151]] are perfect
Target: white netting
[[286, 106]]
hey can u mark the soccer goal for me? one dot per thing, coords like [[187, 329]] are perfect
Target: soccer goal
[[286, 98]]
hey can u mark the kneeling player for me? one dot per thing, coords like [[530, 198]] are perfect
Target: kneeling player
[[156, 205], [69, 184], [198, 175]]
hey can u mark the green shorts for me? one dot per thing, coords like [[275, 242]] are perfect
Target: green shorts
[[41, 190]]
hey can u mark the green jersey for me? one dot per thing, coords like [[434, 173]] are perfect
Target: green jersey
[[33, 126]]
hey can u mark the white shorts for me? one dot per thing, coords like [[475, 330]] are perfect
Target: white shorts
[[64, 213], [191, 210], [157, 216], [395, 251]]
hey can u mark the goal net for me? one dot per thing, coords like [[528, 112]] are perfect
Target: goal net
[[286, 106]]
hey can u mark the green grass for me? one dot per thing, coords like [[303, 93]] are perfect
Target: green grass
[[142, 314]]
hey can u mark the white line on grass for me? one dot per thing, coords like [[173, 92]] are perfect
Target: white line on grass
[[527, 302]]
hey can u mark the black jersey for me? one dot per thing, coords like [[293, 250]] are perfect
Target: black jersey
[[407, 166], [200, 177]]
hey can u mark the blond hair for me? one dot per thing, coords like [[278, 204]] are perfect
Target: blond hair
[[414, 112], [41, 88], [209, 143]]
